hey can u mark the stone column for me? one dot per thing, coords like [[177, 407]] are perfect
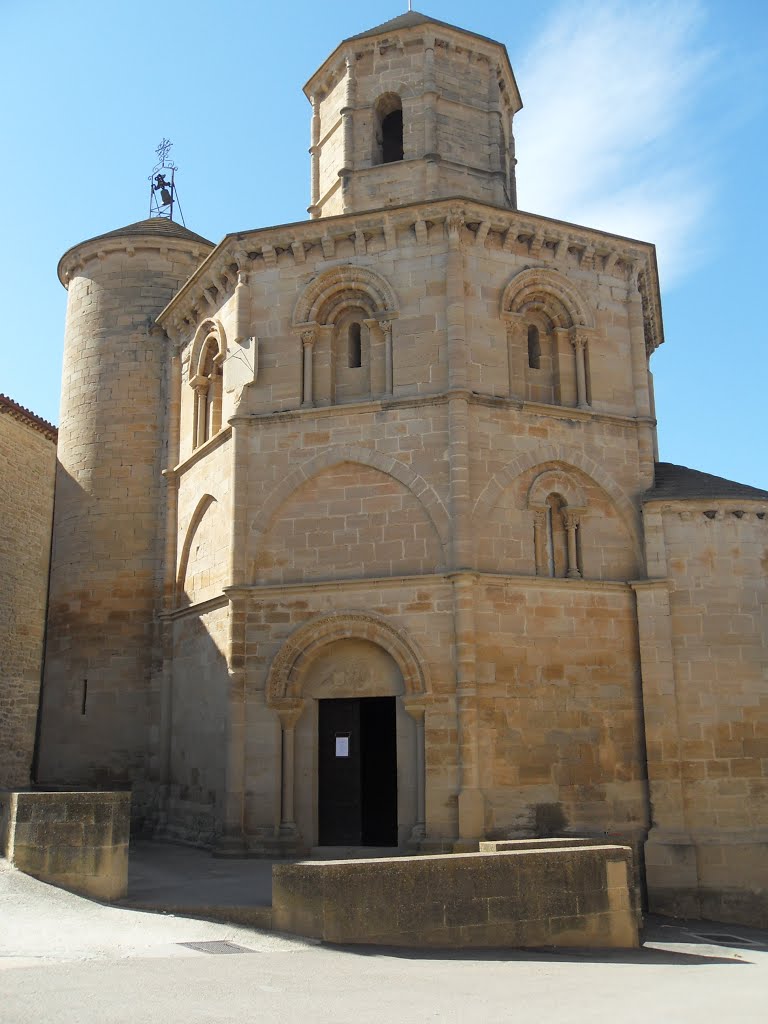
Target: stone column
[[289, 713], [512, 166], [637, 346], [386, 328], [347, 128], [670, 851], [201, 412], [579, 342], [430, 118], [571, 521], [416, 711], [314, 150], [471, 800], [540, 541], [471, 807], [641, 380], [516, 354], [308, 344], [496, 136]]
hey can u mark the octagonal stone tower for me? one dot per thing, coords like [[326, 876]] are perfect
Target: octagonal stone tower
[[413, 109], [106, 556]]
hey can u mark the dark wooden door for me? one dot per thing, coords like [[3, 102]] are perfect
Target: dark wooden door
[[357, 769], [339, 797]]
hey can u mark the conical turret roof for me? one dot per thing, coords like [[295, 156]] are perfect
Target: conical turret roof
[[157, 226], [154, 226]]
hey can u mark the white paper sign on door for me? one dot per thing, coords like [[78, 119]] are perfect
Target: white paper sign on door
[[342, 744]]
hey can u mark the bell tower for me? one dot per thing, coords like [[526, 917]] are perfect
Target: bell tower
[[412, 110]]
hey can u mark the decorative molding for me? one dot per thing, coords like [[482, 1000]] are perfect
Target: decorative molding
[[549, 242], [289, 666], [552, 293]]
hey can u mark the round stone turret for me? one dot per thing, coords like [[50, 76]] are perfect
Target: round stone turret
[[98, 701]]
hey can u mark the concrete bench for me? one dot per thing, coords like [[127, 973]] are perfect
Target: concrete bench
[[579, 896]]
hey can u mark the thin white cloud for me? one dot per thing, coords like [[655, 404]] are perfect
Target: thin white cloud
[[601, 140]]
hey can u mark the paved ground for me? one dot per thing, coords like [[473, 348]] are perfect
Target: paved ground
[[68, 960]]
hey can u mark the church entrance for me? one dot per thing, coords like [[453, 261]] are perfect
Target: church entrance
[[357, 772]]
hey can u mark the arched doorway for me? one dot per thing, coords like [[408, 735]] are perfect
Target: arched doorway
[[350, 656], [355, 775]]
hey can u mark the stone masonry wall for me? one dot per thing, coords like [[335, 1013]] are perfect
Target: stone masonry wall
[[708, 751], [28, 460]]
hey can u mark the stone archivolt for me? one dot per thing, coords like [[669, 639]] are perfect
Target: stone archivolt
[[335, 289], [565, 457], [549, 292], [291, 663]]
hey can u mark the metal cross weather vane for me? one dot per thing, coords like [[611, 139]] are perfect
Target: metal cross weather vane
[[163, 197]]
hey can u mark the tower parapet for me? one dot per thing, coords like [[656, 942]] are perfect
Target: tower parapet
[[412, 110], [106, 556]]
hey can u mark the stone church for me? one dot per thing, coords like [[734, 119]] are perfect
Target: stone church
[[360, 534]]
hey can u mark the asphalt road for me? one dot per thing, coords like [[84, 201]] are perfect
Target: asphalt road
[[65, 959]]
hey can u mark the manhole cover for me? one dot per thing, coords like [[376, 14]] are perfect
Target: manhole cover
[[725, 939], [216, 946]]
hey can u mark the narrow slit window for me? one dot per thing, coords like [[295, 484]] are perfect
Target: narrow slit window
[[355, 347], [534, 348]]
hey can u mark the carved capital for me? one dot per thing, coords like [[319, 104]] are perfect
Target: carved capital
[[579, 339], [289, 711], [416, 709], [570, 519], [515, 322], [308, 337]]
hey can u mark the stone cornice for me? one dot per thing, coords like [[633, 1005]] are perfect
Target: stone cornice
[[28, 418], [432, 34], [550, 243], [711, 508], [375, 405], [420, 580], [199, 608], [199, 453], [76, 258]]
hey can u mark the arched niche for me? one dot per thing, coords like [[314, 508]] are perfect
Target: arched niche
[[203, 562]]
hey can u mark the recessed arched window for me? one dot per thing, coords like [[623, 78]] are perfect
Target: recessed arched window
[[388, 145], [557, 545], [355, 346], [534, 348], [208, 393]]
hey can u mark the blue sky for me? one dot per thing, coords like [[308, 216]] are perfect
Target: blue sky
[[649, 119]]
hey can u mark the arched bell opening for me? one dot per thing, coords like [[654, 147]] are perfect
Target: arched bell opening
[[388, 125]]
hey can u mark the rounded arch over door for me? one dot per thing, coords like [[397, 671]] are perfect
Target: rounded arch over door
[[289, 668]]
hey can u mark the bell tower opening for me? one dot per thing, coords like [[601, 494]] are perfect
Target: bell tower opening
[[389, 129]]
